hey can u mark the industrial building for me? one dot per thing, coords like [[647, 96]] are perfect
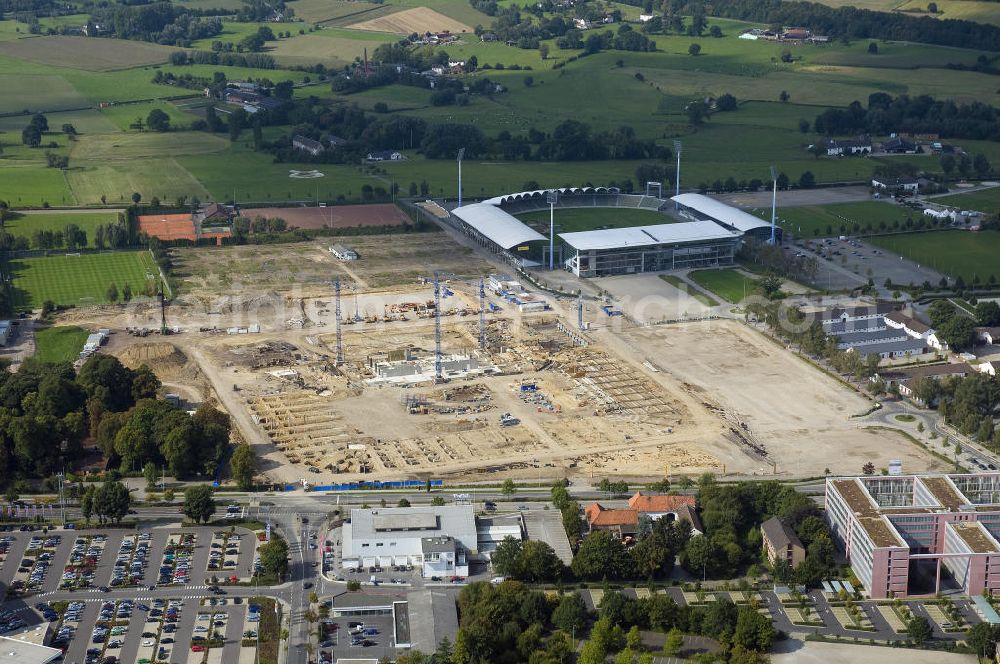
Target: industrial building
[[918, 535], [701, 232], [440, 541]]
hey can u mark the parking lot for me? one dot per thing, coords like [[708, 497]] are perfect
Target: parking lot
[[132, 596]]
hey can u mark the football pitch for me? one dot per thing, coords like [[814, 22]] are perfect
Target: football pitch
[[571, 220], [79, 279]]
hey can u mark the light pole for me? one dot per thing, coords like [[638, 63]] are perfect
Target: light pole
[[461, 153], [552, 196], [774, 205], [677, 175]]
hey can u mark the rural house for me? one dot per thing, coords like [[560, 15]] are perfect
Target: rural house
[[620, 523], [837, 147], [781, 543], [674, 507], [307, 145], [905, 183]]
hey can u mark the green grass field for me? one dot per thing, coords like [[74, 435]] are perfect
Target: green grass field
[[124, 115], [955, 253], [571, 220], [986, 200], [79, 280], [25, 224], [840, 219], [728, 284], [685, 287], [59, 344]]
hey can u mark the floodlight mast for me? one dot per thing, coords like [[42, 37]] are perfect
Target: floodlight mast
[[774, 205], [552, 196], [461, 153], [677, 175]]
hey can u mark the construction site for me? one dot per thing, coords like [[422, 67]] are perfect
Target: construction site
[[436, 376]]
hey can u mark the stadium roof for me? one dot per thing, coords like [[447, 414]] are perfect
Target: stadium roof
[[644, 236], [499, 226], [542, 194], [726, 214]]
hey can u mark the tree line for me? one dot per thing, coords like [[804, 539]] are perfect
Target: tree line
[[853, 23], [509, 623], [919, 115]]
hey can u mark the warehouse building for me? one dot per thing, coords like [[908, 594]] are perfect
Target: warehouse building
[[901, 533]]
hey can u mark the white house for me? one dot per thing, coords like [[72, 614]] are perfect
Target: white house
[[992, 368], [905, 183], [437, 540], [914, 328], [989, 335]]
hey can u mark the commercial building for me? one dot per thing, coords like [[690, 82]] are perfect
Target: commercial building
[[781, 543], [914, 535], [440, 541]]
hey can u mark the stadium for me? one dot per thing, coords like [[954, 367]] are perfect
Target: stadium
[[633, 233]]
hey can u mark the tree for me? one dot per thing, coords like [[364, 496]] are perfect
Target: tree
[[947, 164], [111, 501], [437, 501], [87, 504], [784, 96], [151, 473], [543, 51], [601, 555], [872, 48], [868, 468], [674, 643], [959, 333], [726, 102], [753, 630], [127, 293], [570, 613], [694, 49], [136, 197], [112, 293], [697, 111], [157, 120], [274, 556], [243, 466], [199, 505], [403, 502], [919, 629], [982, 639], [807, 180], [932, 8], [988, 313], [804, 126], [508, 488], [981, 164]]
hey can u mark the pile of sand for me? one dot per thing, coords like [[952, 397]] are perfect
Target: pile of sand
[[160, 356]]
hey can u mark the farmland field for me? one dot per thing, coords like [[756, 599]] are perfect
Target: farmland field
[[84, 53], [25, 224], [416, 19], [123, 115], [569, 220], [968, 10], [164, 178], [79, 279], [320, 11], [955, 253], [840, 219], [728, 284], [27, 186], [33, 92], [327, 46], [123, 147], [986, 200], [59, 344]]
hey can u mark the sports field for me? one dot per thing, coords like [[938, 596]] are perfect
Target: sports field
[[571, 220], [728, 284], [955, 253], [985, 200], [59, 344], [79, 279], [25, 224], [840, 219]]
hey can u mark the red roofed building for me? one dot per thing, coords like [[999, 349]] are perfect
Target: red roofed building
[[620, 523]]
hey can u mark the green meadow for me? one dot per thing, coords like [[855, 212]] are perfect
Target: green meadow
[[963, 254], [81, 279]]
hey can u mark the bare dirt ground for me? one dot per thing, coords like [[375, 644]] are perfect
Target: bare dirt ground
[[336, 216], [634, 401], [800, 416], [417, 19]]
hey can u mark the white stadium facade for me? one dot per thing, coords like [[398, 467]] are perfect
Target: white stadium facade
[[698, 231]]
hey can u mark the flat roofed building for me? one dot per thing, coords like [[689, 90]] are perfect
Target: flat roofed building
[[438, 540], [897, 530], [18, 651], [781, 543], [649, 248]]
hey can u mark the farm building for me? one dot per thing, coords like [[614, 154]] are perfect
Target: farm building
[[900, 533], [708, 236], [307, 145]]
